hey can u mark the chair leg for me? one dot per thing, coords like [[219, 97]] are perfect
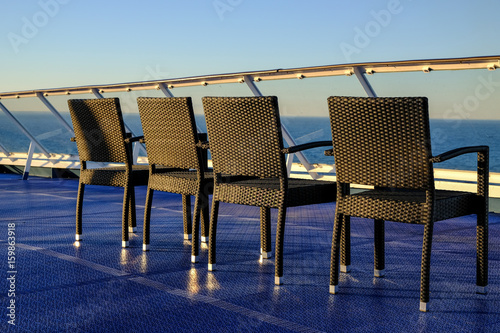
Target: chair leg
[[211, 236], [205, 217], [196, 227], [132, 220], [379, 248], [186, 216], [280, 235], [265, 232], [345, 244], [147, 220], [426, 266], [482, 252], [79, 206], [334, 262], [125, 216]]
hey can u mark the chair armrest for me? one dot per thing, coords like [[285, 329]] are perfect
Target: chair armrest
[[134, 139], [203, 141], [459, 151], [73, 139], [203, 144], [315, 144], [329, 152], [483, 167]]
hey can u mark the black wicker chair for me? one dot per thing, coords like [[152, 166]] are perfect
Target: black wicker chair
[[385, 143], [100, 137], [249, 167], [177, 164]]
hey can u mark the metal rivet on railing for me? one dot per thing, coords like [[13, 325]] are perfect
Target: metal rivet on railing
[[257, 79], [101, 91], [242, 80], [157, 87], [369, 71], [426, 69], [46, 94], [128, 89], [300, 76], [348, 72], [492, 67], [68, 93], [170, 86], [204, 83]]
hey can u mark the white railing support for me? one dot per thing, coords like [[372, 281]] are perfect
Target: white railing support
[[4, 150], [24, 130], [96, 93], [164, 89], [55, 112], [364, 82], [27, 166]]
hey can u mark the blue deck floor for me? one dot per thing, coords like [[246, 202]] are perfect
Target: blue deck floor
[[100, 287]]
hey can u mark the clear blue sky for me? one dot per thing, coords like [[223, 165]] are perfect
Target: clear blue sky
[[59, 43]]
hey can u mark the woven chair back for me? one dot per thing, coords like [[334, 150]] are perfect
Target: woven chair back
[[382, 141], [169, 130], [245, 136], [99, 130]]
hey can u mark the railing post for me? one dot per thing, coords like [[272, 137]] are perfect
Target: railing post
[[55, 112], [164, 89], [364, 83], [96, 93], [27, 166], [5, 151], [24, 130], [286, 135]]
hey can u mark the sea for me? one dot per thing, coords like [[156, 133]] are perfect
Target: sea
[[445, 135]]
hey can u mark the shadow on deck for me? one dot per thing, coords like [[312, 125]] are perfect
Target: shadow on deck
[[100, 287]]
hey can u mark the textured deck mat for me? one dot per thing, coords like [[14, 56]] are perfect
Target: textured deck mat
[[97, 286]]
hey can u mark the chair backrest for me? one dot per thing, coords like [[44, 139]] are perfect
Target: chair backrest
[[245, 136], [382, 141], [169, 130], [99, 130]]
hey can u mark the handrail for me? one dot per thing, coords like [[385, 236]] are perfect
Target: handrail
[[360, 70], [369, 68]]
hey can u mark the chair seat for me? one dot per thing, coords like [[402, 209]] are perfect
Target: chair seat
[[265, 192], [402, 205], [178, 181], [114, 176]]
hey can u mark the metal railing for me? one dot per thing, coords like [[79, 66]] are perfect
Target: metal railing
[[361, 71]]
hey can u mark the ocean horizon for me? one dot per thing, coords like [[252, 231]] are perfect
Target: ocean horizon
[[445, 135]]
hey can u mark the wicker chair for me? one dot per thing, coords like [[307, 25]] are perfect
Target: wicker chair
[[176, 163], [249, 167], [100, 137], [385, 143]]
